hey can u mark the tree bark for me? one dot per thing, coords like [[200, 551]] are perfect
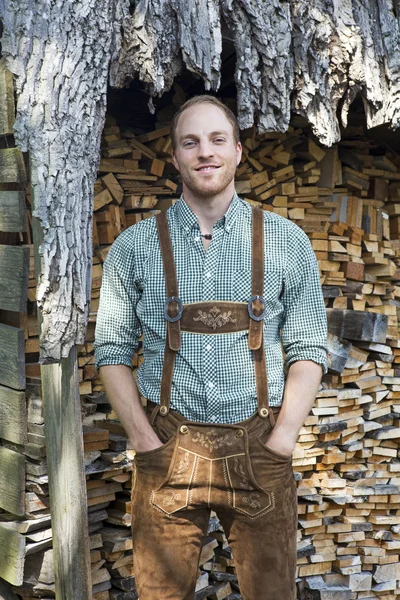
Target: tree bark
[[60, 53], [159, 41], [311, 57]]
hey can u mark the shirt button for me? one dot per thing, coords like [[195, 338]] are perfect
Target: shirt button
[[210, 384], [213, 419], [197, 239], [208, 274], [208, 347]]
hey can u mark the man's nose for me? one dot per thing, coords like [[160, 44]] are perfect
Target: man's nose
[[205, 149]]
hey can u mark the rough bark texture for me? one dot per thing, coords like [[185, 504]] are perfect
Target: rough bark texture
[[162, 37], [60, 52], [264, 68], [313, 57]]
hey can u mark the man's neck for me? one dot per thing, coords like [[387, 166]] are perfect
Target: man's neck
[[209, 209]]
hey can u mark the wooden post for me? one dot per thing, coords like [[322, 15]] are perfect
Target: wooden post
[[67, 488], [64, 441]]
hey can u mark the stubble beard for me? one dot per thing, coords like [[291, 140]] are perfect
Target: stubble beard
[[209, 188]]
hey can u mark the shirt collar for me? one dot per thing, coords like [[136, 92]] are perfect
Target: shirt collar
[[188, 218]]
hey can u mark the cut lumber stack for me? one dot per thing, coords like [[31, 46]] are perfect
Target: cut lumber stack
[[215, 580], [133, 175], [35, 561], [109, 496]]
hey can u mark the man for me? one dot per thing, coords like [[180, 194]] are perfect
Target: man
[[217, 288]]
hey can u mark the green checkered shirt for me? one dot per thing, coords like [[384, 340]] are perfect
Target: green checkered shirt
[[213, 379]]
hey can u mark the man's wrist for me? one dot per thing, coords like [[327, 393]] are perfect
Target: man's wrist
[[143, 441], [137, 437], [290, 431]]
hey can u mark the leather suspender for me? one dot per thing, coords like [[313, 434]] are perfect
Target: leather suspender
[[172, 307], [257, 278], [256, 326], [171, 282], [256, 311]]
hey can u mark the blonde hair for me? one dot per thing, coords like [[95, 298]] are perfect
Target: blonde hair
[[204, 99]]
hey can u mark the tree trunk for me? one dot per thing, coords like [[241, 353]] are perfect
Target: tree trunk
[[60, 52]]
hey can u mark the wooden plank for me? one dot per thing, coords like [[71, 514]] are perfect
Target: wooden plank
[[64, 441], [12, 211], [12, 481], [153, 135], [14, 269], [328, 165], [113, 187], [7, 103], [12, 167], [12, 357], [12, 554], [13, 416], [357, 325]]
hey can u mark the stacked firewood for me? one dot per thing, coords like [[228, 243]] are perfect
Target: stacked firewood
[[347, 199], [105, 477]]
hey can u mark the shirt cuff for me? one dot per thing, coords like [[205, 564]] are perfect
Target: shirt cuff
[[113, 360], [320, 358]]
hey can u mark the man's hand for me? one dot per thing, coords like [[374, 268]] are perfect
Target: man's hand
[[124, 397], [283, 444]]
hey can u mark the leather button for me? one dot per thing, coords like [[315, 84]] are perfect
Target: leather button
[[263, 412], [184, 429], [163, 410], [239, 433]]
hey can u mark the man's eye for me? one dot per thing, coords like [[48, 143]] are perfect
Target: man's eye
[[219, 140], [188, 144]]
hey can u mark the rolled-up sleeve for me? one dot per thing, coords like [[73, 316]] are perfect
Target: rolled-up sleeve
[[304, 325], [117, 329]]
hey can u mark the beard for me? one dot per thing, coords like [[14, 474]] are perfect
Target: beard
[[209, 185]]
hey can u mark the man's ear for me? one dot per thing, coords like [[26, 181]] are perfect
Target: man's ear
[[238, 153], [175, 162]]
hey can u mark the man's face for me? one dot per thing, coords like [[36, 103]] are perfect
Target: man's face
[[206, 154]]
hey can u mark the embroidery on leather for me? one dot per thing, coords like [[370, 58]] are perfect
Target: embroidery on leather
[[213, 319], [243, 480], [182, 467], [170, 498], [252, 500], [226, 479], [194, 478], [211, 440]]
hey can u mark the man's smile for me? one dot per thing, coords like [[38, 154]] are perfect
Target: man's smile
[[207, 168]]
